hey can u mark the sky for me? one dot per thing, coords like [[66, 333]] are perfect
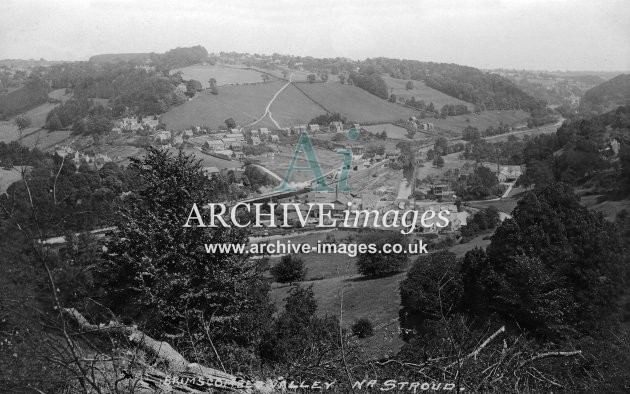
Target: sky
[[525, 34]]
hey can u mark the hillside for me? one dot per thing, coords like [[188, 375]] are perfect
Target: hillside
[[298, 103], [608, 95], [244, 103], [225, 75], [355, 103], [421, 91]]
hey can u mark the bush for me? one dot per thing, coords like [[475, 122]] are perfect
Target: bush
[[382, 264], [289, 269], [363, 328], [433, 289]]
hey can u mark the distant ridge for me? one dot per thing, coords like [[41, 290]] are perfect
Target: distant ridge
[[120, 57]]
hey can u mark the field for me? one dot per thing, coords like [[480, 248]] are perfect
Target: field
[[393, 132], [480, 121], [7, 177], [355, 103], [422, 92], [225, 75], [244, 103]]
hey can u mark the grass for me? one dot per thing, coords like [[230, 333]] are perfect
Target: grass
[[225, 75], [481, 121], [244, 103], [7, 177], [393, 132], [355, 103], [422, 92]]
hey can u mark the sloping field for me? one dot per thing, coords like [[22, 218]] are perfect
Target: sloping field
[[224, 75], [355, 103], [422, 92], [480, 121], [292, 107], [244, 103]]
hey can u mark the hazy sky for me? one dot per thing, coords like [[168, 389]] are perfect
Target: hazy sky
[[532, 34]]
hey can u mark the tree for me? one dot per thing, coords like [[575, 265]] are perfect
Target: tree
[[554, 268], [392, 98], [157, 271], [54, 123], [289, 269], [22, 122], [382, 264], [432, 289], [311, 78], [265, 77], [409, 85], [230, 123], [363, 328], [438, 161], [441, 146]]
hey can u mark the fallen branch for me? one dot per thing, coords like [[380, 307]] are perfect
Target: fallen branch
[[480, 347], [187, 375], [550, 354]]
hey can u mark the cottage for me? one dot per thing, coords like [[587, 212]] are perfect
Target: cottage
[[313, 127], [275, 138], [214, 145], [255, 141], [336, 127], [264, 131], [162, 136]]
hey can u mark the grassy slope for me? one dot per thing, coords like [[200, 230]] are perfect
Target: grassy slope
[[223, 74], [480, 121], [422, 92], [355, 103], [244, 103]]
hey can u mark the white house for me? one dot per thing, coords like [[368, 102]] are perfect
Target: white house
[[313, 127]]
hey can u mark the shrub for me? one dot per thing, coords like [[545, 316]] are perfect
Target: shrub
[[289, 269], [432, 289], [363, 328], [382, 264]]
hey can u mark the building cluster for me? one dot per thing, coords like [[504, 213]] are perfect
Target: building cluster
[[97, 160]]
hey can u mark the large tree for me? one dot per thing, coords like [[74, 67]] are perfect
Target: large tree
[[554, 267], [158, 273]]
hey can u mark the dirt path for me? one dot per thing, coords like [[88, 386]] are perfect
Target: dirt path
[[267, 111]]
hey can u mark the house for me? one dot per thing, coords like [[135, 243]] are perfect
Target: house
[[264, 131], [300, 128], [181, 88], [336, 127], [235, 131], [275, 138], [255, 141], [441, 192], [356, 149], [209, 171], [239, 137], [509, 173], [178, 140], [615, 145], [188, 133], [313, 127], [255, 133], [214, 145], [162, 136]]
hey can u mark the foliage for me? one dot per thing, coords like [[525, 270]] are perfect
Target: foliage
[[370, 82], [382, 264], [432, 289], [158, 273], [289, 269], [363, 328], [554, 267]]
